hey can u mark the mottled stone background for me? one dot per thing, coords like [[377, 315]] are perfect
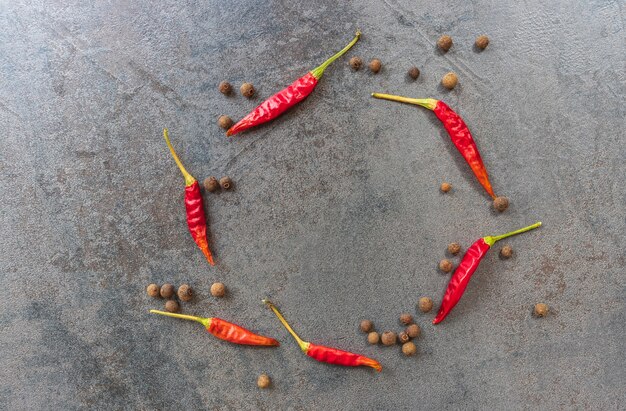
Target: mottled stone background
[[336, 214]]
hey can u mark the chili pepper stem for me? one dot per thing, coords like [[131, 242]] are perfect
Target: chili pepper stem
[[318, 71], [304, 346], [204, 321], [429, 103], [189, 180], [491, 240]]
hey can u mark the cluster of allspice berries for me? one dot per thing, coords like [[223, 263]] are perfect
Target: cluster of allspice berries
[[212, 184], [169, 293], [388, 338], [247, 90]]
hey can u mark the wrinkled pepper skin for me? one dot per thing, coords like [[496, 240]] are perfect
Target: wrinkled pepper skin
[[461, 277], [233, 333], [277, 104], [340, 357], [464, 142], [196, 220]]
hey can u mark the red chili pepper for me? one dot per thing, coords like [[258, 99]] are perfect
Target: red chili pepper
[[194, 205], [288, 97], [465, 270], [326, 354], [458, 131], [225, 330]]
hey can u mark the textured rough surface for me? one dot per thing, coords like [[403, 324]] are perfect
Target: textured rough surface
[[336, 212]]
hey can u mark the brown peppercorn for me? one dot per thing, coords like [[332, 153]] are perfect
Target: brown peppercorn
[[454, 248], [444, 42], [172, 306], [403, 337], [167, 290], [413, 330], [409, 348], [211, 184], [247, 90], [449, 80], [218, 290], [445, 265], [406, 319], [482, 42], [225, 122], [185, 293], [541, 310], [506, 251], [366, 326], [226, 183], [263, 381], [445, 187], [373, 338], [501, 203], [356, 63], [425, 304], [388, 338], [375, 66], [414, 73], [225, 87], [153, 290]]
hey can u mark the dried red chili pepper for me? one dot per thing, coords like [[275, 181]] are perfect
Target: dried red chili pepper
[[326, 354], [458, 131], [288, 97], [465, 270], [225, 330], [194, 205]]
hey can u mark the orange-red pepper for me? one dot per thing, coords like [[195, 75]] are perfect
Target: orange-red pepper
[[225, 330], [326, 354], [194, 205]]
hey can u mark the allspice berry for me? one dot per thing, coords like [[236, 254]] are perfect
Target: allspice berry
[[414, 73], [172, 306], [454, 248], [366, 326], [445, 187], [444, 42], [225, 88], [388, 338], [413, 330], [482, 42], [541, 310], [425, 304], [501, 203], [225, 122], [375, 66], [449, 80], [226, 183], [185, 293], [218, 290], [409, 348], [247, 90], [167, 290], [263, 381], [403, 337], [406, 319], [211, 184], [445, 265], [506, 251], [356, 63], [373, 338], [153, 290]]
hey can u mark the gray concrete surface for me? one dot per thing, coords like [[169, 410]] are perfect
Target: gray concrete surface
[[336, 213]]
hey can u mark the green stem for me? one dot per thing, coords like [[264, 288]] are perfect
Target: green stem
[[304, 346], [428, 103], [318, 71], [189, 180], [204, 321], [491, 240]]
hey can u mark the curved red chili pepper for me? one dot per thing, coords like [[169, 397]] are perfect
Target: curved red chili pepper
[[326, 354], [458, 131], [467, 267], [288, 97], [225, 330], [194, 205]]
